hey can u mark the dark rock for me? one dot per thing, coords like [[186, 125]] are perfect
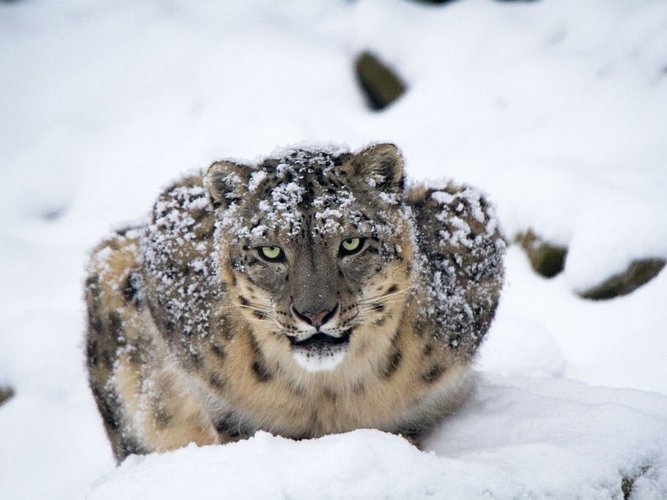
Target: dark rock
[[436, 1], [638, 273], [52, 214], [628, 482], [380, 84], [6, 393], [546, 258], [452, 1]]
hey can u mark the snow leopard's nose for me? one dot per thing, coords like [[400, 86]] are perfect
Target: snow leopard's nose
[[316, 319]]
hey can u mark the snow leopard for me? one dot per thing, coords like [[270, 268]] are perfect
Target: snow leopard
[[311, 292]]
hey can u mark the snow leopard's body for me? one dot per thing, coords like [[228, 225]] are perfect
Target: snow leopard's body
[[196, 335]]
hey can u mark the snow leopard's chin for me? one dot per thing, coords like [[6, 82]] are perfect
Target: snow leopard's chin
[[321, 352]]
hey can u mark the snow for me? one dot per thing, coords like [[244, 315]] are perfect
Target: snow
[[555, 109], [555, 437], [283, 209]]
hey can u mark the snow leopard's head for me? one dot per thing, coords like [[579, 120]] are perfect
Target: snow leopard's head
[[315, 250]]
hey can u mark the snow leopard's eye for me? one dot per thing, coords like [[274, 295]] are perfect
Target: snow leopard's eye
[[272, 253], [351, 246]]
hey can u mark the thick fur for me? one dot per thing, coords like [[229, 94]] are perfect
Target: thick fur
[[192, 335]]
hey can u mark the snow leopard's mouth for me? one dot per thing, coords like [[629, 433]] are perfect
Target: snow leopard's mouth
[[320, 352], [321, 340]]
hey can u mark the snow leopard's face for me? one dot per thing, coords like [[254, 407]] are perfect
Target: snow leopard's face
[[316, 247]]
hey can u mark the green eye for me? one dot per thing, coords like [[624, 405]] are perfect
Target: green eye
[[350, 246], [271, 253]]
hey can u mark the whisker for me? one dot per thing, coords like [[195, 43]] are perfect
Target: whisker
[[383, 301], [229, 316], [372, 308], [260, 309], [382, 298]]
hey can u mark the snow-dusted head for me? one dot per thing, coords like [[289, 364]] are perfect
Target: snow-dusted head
[[313, 242]]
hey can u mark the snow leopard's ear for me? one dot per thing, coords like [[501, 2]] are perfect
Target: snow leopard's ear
[[382, 167], [227, 182]]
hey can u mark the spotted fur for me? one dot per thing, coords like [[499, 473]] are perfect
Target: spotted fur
[[194, 336]]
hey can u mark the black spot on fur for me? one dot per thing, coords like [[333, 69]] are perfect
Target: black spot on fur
[[243, 300], [392, 364], [414, 435], [130, 292], [131, 446], [216, 381], [115, 324], [92, 283], [196, 362], [393, 288], [378, 307], [107, 359], [218, 351], [307, 196], [96, 323], [226, 425], [259, 315], [258, 366], [433, 374], [262, 374], [419, 328], [254, 346], [107, 403], [91, 352]]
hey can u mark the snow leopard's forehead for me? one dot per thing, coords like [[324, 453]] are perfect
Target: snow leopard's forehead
[[311, 194]]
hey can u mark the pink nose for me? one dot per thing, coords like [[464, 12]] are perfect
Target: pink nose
[[316, 319]]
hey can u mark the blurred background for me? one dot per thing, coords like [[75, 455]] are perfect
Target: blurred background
[[556, 108]]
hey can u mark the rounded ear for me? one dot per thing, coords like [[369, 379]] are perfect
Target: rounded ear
[[382, 166], [227, 181]]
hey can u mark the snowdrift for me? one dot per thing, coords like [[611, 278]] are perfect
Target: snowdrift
[[516, 438]]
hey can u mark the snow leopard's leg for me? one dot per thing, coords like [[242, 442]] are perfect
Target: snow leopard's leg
[[110, 288], [141, 398]]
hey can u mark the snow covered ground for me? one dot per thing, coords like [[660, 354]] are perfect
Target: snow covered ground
[[557, 108], [593, 441]]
